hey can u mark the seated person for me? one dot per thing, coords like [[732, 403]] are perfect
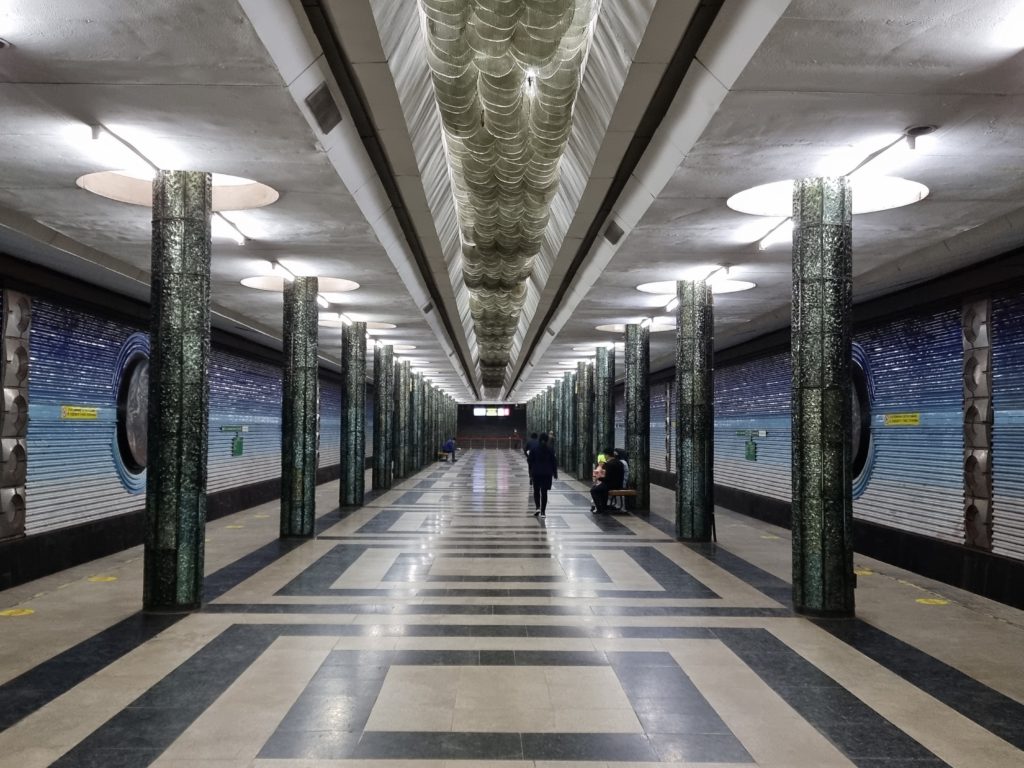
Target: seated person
[[449, 448], [621, 455], [612, 481], [598, 477]]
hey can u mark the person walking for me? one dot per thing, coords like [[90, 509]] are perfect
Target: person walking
[[531, 445], [544, 469]]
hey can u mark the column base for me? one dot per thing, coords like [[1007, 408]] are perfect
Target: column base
[[816, 613]]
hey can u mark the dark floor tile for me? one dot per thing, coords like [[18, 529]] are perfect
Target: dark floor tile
[[310, 745], [330, 712], [360, 659], [880, 740], [379, 745], [704, 721], [497, 658], [699, 748], [587, 746], [561, 659], [437, 658], [641, 659], [108, 758]]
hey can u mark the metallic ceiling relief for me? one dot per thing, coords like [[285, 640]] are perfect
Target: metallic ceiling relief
[[505, 74]]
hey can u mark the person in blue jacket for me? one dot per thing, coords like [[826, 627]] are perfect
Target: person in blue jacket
[[449, 447], [544, 469]]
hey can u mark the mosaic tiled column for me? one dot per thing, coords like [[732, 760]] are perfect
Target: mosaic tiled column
[[604, 400], [416, 424], [568, 459], [556, 405], [400, 423], [584, 419], [695, 404], [823, 578], [299, 408], [638, 413], [353, 414], [179, 337], [383, 413]]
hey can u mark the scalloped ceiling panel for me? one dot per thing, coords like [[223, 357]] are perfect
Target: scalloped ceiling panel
[[505, 74]]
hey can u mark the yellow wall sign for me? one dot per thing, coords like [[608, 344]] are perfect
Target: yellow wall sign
[[903, 419], [78, 413]]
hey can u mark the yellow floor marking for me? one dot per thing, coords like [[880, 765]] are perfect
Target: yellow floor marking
[[17, 612], [769, 536], [102, 578], [234, 526], [863, 572], [931, 601]]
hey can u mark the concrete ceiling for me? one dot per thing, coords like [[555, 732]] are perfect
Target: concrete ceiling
[[778, 90], [831, 81]]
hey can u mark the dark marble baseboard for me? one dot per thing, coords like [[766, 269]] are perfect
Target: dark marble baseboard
[[32, 557], [983, 573]]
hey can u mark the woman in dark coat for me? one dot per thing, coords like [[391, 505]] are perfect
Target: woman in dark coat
[[544, 468]]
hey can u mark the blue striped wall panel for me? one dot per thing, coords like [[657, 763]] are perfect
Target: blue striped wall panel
[[659, 455], [330, 422], [620, 422], [754, 395], [1008, 427], [71, 476], [915, 480], [72, 465], [916, 483]]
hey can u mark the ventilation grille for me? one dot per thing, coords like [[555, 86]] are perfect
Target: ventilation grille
[[321, 103], [613, 233]]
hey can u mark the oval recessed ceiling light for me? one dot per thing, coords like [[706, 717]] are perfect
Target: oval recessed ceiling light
[[326, 285], [621, 328], [870, 194], [373, 325], [230, 193], [585, 349], [403, 347], [723, 285]]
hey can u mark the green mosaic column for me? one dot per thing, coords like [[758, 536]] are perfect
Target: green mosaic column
[[179, 337], [823, 578], [353, 415], [604, 400], [400, 423], [568, 460], [638, 413], [584, 419], [299, 408], [415, 423], [383, 413], [695, 411], [557, 415]]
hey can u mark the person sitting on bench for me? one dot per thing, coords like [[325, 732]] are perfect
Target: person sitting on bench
[[449, 448], [612, 481]]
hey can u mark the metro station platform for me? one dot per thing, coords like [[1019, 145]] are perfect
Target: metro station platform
[[443, 625]]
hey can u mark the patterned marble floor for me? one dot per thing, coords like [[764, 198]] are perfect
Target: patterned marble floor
[[442, 625]]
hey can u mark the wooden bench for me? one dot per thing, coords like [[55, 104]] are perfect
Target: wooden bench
[[622, 493]]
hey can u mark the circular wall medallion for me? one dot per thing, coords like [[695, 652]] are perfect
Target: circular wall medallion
[[862, 445], [131, 388]]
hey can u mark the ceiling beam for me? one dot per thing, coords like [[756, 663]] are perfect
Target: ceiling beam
[[356, 102]]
